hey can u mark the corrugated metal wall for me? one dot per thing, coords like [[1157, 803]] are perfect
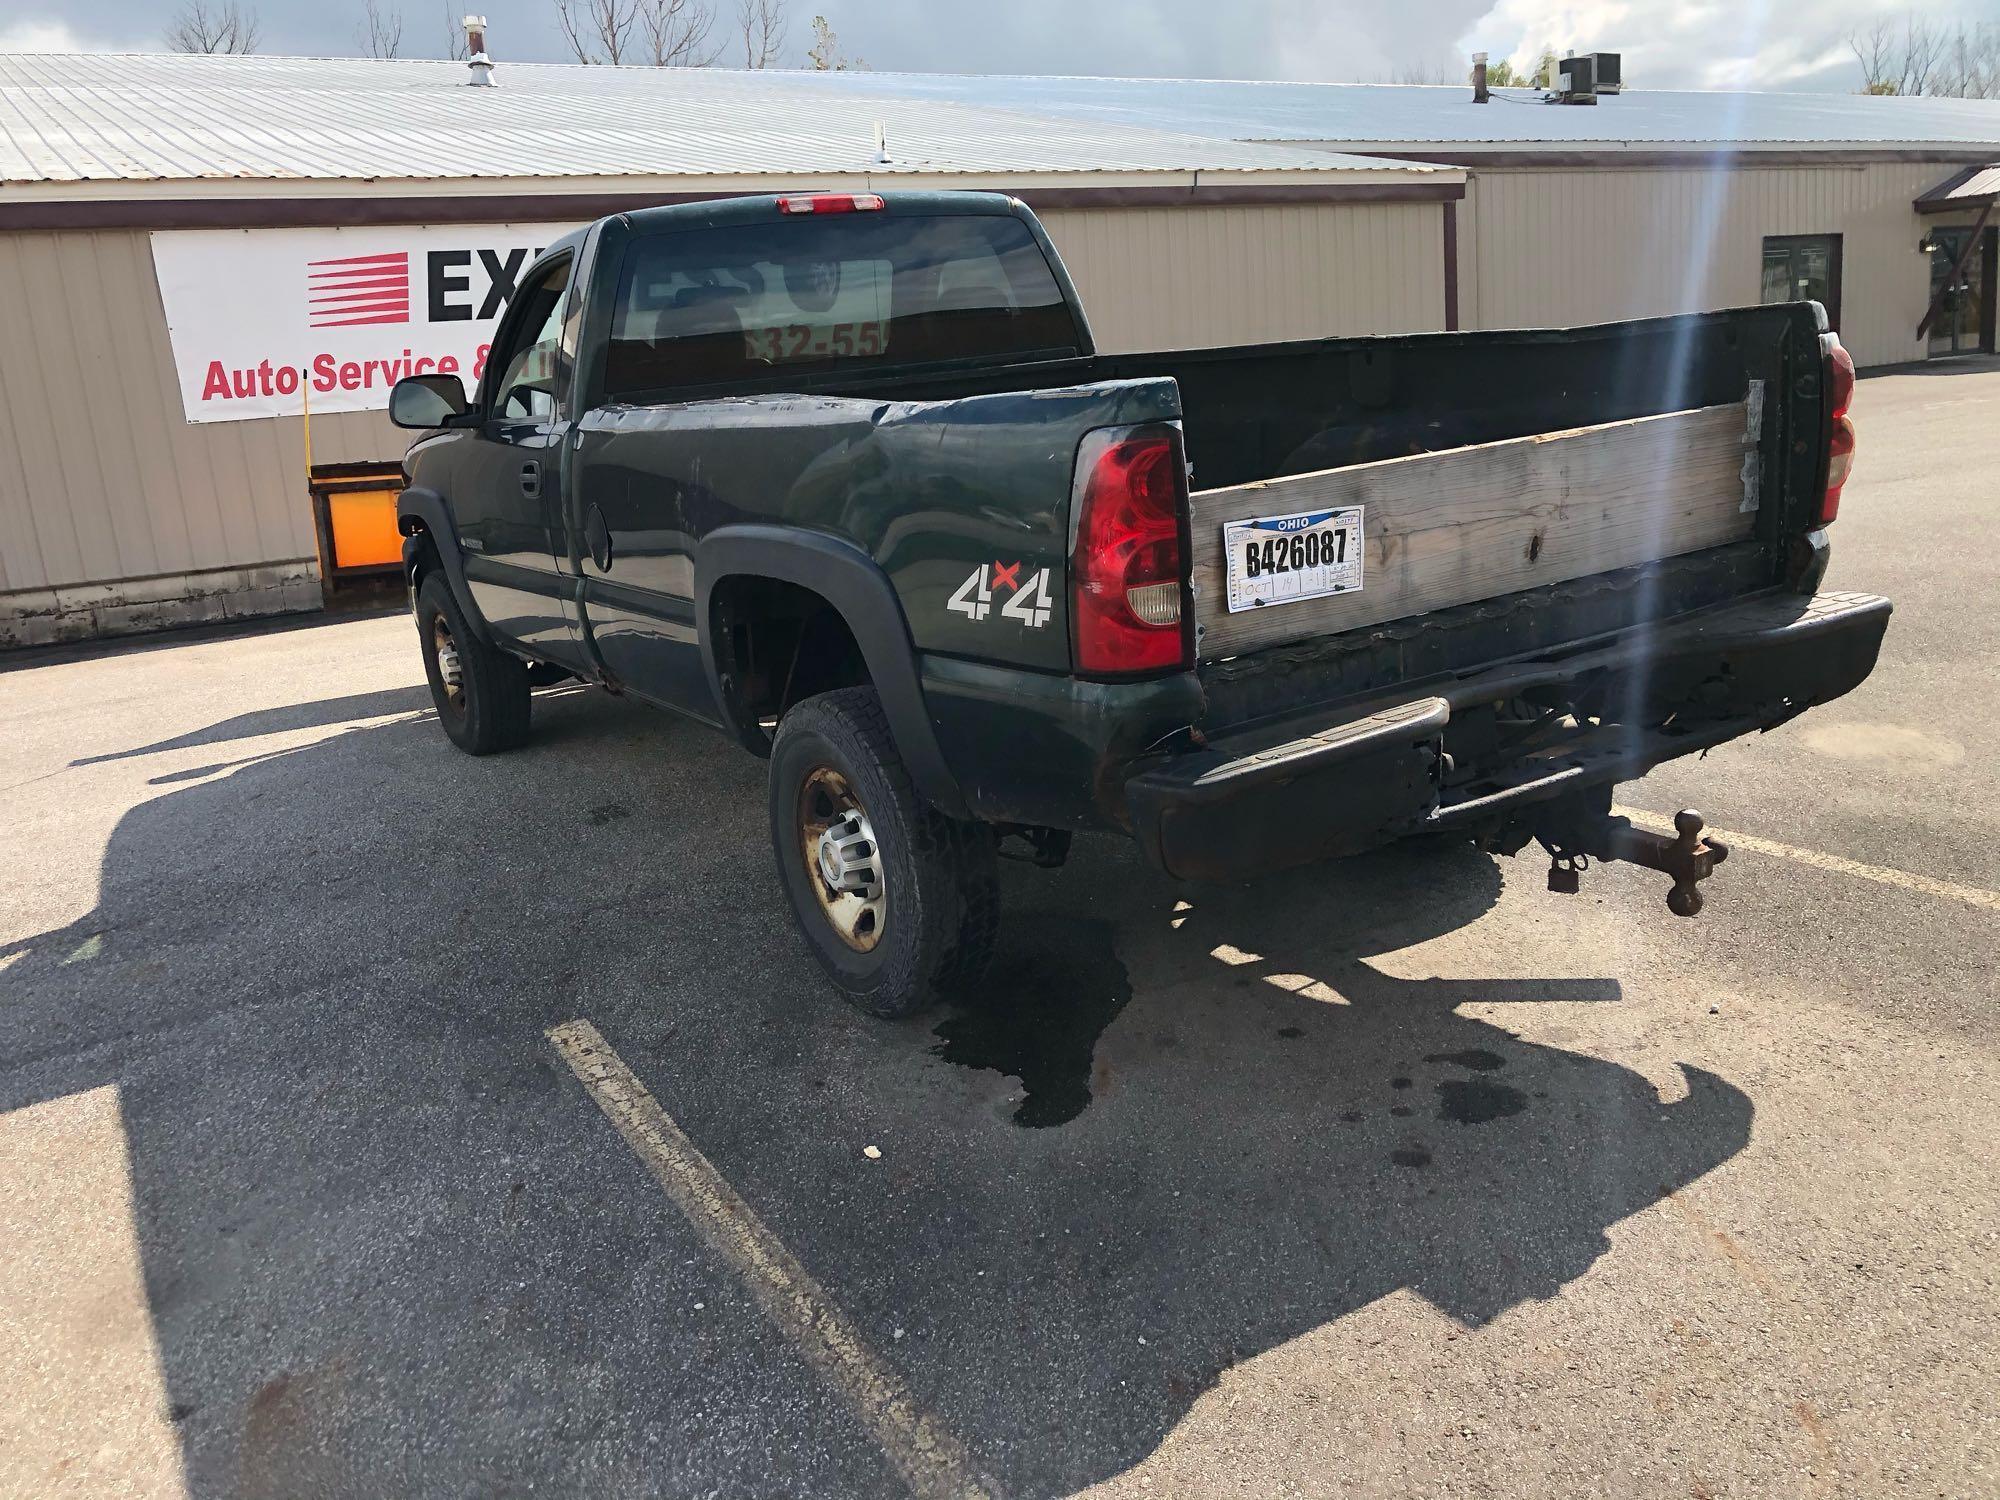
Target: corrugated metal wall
[[103, 481], [1567, 246], [102, 478], [1177, 278]]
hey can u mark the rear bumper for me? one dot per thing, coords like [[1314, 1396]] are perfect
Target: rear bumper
[[1347, 780]]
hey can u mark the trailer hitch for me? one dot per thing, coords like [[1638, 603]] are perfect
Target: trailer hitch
[[1573, 836]]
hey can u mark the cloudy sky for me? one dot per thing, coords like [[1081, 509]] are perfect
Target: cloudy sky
[[1666, 43]]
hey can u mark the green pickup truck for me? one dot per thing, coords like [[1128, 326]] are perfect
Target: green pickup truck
[[844, 476]]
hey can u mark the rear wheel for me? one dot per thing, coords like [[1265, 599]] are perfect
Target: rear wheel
[[481, 692], [899, 903]]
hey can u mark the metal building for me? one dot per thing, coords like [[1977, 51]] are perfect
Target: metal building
[[157, 211], [1646, 202]]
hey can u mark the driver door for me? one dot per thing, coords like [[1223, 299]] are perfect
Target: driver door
[[510, 518]]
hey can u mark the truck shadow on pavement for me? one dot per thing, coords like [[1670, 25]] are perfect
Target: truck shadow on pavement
[[326, 712], [390, 1247]]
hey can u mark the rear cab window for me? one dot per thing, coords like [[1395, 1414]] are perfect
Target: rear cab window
[[771, 304]]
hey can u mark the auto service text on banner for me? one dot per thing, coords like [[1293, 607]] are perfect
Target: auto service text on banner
[[263, 320]]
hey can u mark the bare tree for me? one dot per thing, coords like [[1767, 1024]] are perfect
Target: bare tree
[[454, 35], [1922, 49], [764, 25], [825, 55], [1920, 57], [1969, 67], [665, 33], [1875, 50], [224, 26], [598, 31], [1430, 71], [381, 31], [676, 33]]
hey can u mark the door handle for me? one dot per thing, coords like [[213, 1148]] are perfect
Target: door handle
[[531, 479], [597, 539]]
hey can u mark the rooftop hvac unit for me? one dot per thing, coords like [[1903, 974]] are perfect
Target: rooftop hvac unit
[[1576, 81], [1608, 71]]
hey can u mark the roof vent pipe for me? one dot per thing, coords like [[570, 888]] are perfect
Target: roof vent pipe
[[1479, 95], [475, 45]]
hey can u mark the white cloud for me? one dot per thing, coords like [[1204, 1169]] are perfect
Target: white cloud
[[41, 36], [1665, 43], [1716, 44]]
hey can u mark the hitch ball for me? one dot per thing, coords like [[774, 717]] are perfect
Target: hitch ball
[[1576, 835], [1689, 859]]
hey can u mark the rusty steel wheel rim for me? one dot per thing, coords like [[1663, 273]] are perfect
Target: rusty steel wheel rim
[[451, 670], [843, 862]]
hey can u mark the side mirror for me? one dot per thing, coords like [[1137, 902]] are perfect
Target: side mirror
[[426, 401]]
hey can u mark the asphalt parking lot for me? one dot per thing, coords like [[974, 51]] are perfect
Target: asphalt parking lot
[[1401, 1177]]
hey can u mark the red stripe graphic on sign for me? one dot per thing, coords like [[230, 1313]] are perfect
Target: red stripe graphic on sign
[[361, 289], [400, 315], [357, 289]]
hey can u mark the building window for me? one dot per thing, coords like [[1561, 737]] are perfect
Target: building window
[[1803, 268]]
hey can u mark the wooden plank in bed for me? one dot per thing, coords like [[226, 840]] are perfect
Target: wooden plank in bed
[[1473, 523]]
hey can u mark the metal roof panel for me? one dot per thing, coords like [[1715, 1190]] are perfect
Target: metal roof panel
[[139, 117], [1429, 114]]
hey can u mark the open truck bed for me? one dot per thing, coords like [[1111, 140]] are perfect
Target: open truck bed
[[1534, 618]]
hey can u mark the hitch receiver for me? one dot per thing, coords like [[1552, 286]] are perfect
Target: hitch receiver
[[1574, 834]]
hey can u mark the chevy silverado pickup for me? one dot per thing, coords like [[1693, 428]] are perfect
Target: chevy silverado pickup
[[844, 476]]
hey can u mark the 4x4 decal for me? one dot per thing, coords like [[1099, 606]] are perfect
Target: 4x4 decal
[[1029, 603]]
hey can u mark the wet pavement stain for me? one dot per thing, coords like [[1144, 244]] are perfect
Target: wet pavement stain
[[1476, 1058], [1038, 1019], [1475, 1101], [1399, 1083], [607, 812], [1289, 1032], [1478, 1100], [1411, 1156]]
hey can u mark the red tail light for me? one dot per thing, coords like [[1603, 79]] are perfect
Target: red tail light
[[1127, 566], [830, 203], [1840, 439]]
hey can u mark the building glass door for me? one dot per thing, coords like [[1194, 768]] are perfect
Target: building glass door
[[1964, 321]]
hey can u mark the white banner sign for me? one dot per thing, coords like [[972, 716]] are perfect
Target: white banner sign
[[264, 320]]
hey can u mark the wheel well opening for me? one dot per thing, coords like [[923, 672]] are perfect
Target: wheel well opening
[[776, 644]]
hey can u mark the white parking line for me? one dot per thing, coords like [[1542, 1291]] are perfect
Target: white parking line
[[932, 1462], [1971, 895]]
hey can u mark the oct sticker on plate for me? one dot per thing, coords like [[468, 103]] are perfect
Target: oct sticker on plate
[[1282, 559]]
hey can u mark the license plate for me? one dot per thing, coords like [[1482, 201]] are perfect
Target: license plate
[[1283, 559]]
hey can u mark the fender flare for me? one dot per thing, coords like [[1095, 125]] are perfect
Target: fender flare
[[860, 592], [423, 511]]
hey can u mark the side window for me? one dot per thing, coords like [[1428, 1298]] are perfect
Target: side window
[[527, 386], [1803, 268]]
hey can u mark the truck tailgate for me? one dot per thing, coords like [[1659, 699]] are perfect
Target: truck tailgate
[[1455, 527]]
